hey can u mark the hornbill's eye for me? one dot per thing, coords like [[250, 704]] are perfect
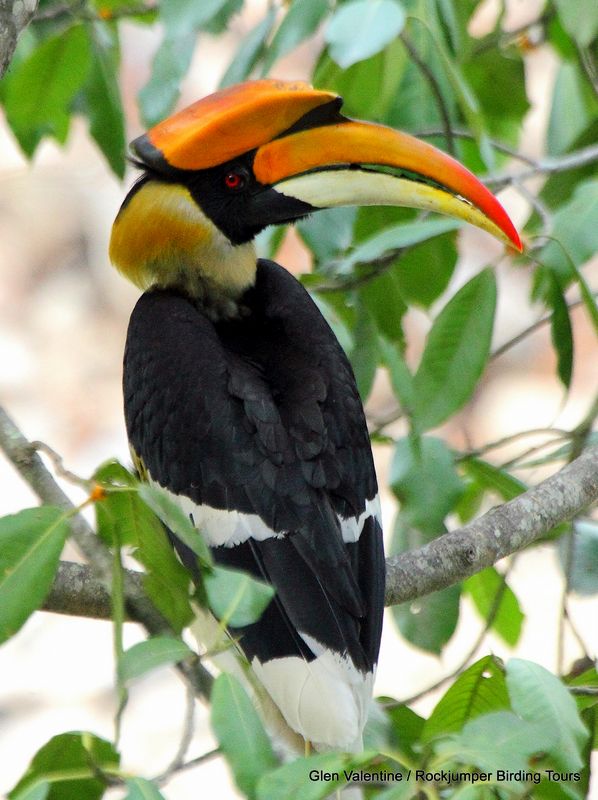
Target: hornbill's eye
[[235, 179]]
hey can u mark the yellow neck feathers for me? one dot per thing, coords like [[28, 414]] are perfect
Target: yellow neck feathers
[[162, 238]]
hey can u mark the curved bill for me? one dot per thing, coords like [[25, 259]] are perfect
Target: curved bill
[[311, 166]]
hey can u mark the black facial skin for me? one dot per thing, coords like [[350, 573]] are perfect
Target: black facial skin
[[240, 212]]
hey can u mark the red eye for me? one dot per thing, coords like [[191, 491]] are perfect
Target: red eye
[[234, 180]]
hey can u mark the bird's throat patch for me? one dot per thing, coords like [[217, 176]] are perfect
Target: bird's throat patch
[[162, 238]]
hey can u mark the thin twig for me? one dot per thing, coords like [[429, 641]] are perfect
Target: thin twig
[[461, 133], [515, 340], [178, 761], [513, 437], [436, 91], [545, 166], [59, 468]]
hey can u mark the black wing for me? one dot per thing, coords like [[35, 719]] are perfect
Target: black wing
[[259, 419]]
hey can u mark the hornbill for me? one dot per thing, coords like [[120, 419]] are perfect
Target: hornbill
[[239, 399]]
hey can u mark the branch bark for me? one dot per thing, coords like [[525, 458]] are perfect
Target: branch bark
[[441, 563], [15, 15]]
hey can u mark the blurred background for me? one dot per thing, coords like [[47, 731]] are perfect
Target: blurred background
[[63, 319]]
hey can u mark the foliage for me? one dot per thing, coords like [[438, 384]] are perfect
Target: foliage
[[414, 65]]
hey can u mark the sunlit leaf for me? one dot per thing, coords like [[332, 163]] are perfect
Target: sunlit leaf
[[30, 546], [235, 597], [150, 654], [102, 99], [171, 62], [493, 597], [481, 689], [580, 19], [301, 20], [294, 781], [456, 352], [539, 697], [162, 503], [43, 86], [581, 563], [68, 763], [250, 51], [378, 23], [424, 479], [493, 479], [140, 789], [561, 331], [497, 741], [240, 734]]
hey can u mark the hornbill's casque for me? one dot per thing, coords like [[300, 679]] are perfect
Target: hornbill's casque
[[238, 398]]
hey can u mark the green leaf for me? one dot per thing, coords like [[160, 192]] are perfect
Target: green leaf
[[583, 569], [587, 679], [580, 19], [484, 588], [364, 356], [235, 597], [140, 789], [561, 331], [171, 62], [493, 479], [424, 479], [384, 71], [293, 782], [150, 654], [164, 506], [430, 621], [575, 233], [37, 791], [219, 22], [378, 23], [400, 377], [166, 581], [240, 734], [181, 17], [570, 113], [30, 546], [102, 100], [250, 51], [383, 299], [328, 232], [300, 22], [539, 697], [69, 763], [43, 86], [497, 741], [396, 237], [497, 78], [481, 689], [438, 256], [457, 349], [406, 728], [120, 515]]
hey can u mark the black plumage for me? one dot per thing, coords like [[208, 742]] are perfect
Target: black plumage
[[260, 414]]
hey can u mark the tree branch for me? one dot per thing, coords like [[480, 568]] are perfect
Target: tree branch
[[24, 457], [441, 563], [502, 531], [15, 15], [544, 166]]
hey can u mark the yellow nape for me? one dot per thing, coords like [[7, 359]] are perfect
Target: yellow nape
[[161, 237]]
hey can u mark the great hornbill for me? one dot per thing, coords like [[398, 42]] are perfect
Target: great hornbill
[[238, 398]]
